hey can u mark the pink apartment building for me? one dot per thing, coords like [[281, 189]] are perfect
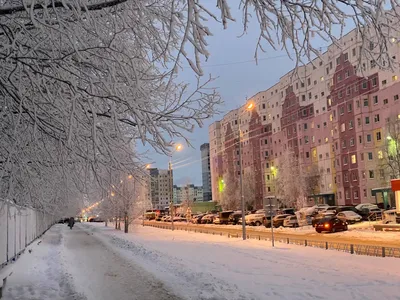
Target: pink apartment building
[[328, 115]]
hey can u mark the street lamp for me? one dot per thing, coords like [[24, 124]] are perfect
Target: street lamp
[[249, 107], [177, 147]]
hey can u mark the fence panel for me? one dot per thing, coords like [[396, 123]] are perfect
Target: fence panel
[[19, 226]]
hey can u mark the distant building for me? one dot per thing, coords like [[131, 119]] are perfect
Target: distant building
[[206, 174], [159, 187], [189, 192]]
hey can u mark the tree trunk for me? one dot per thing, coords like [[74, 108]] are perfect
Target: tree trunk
[[116, 223], [126, 224]]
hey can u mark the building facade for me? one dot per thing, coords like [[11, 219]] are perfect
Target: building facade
[[333, 113], [206, 173], [159, 187], [188, 193]]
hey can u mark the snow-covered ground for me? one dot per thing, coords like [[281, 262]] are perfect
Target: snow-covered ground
[[197, 266]]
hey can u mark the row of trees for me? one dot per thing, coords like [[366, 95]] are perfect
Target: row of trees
[[81, 82]]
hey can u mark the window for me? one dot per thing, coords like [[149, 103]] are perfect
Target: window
[[353, 159], [303, 97], [369, 138], [358, 103], [375, 99], [371, 45], [385, 101], [306, 139], [338, 60], [376, 118], [309, 96], [305, 126], [378, 136], [380, 154], [327, 70], [359, 121], [339, 77], [349, 107], [302, 84], [322, 78], [307, 154], [266, 141], [351, 125], [351, 142], [340, 94], [342, 127], [324, 124], [266, 153], [366, 102], [355, 193], [394, 77], [344, 144], [346, 57], [362, 156], [370, 156], [347, 74], [384, 82], [374, 81], [396, 97], [267, 165], [360, 139], [346, 179], [381, 174], [345, 160], [373, 64], [371, 174], [354, 52], [366, 120], [308, 81], [363, 174], [263, 106], [341, 110], [348, 91], [364, 85]]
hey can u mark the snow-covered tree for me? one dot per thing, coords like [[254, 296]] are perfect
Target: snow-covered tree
[[249, 189], [230, 195], [389, 155], [80, 81]]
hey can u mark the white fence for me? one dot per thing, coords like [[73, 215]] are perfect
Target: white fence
[[19, 226]]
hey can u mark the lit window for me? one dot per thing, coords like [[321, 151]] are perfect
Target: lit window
[[353, 159], [394, 77], [322, 78], [380, 154]]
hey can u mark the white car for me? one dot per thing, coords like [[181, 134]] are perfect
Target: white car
[[365, 205], [256, 219], [349, 217], [290, 221]]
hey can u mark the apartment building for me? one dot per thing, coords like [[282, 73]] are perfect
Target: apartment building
[[160, 187], [329, 114], [205, 171], [188, 193]]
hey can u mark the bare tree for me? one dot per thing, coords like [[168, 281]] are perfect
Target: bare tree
[[311, 179]]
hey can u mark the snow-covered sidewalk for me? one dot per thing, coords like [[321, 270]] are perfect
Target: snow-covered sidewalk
[[197, 266], [74, 265]]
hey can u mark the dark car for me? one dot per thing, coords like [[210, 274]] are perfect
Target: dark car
[[287, 211], [267, 222], [234, 217], [321, 216], [371, 214], [197, 219], [224, 217], [398, 218], [277, 221], [331, 225]]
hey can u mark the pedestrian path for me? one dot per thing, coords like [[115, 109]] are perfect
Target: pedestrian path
[[73, 265]]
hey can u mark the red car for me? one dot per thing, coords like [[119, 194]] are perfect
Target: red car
[[331, 225]]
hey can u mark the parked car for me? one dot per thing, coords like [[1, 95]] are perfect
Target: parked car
[[256, 219], [332, 209], [361, 206], [371, 213], [277, 221], [321, 216], [391, 216], [347, 208], [166, 219], [179, 218], [197, 218], [223, 217], [287, 211], [208, 219], [331, 224], [349, 217], [267, 222], [290, 221], [234, 217], [159, 217]]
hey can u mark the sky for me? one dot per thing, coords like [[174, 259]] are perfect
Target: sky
[[232, 61]]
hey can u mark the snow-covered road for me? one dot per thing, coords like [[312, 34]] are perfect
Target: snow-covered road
[[75, 265], [198, 266]]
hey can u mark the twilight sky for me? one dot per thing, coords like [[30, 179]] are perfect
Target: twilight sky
[[239, 77]]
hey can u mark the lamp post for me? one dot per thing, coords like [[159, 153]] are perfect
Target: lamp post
[[249, 107], [177, 147]]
